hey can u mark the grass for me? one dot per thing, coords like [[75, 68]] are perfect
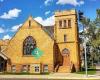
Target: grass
[[91, 71], [22, 73]]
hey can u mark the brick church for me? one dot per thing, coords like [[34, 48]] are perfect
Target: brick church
[[40, 49]]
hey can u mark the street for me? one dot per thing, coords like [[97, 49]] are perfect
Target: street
[[53, 76]]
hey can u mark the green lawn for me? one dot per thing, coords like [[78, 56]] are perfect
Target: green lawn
[[6, 73], [91, 71]]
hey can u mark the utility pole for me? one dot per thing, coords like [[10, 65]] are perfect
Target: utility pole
[[81, 17], [86, 69]]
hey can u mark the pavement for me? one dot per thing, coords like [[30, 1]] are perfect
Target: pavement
[[98, 69], [52, 76]]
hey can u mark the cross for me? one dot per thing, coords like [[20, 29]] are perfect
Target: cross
[[36, 52]]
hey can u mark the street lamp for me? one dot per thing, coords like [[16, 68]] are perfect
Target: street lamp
[[81, 17], [85, 51]]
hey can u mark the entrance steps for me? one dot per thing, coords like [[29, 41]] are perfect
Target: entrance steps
[[64, 69]]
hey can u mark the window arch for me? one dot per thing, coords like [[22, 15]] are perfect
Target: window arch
[[65, 51], [29, 44]]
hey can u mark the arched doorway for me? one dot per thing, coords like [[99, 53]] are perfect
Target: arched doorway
[[66, 57], [66, 61], [3, 64]]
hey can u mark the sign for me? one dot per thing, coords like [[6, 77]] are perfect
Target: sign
[[37, 53]]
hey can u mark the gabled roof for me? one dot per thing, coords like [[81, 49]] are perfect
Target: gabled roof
[[49, 30], [3, 56]]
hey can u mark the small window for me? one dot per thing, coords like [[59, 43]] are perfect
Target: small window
[[45, 68], [69, 23], [29, 23], [60, 24], [24, 68], [65, 24], [13, 68], [65, 38], [36, 68]]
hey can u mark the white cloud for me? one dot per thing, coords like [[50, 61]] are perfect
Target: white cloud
[[47, 2], [46, 13], [15, 28], [81, 2], [1, 0], [6, 37], [72, 2], [46, 22], [11, 14], [2, 30]]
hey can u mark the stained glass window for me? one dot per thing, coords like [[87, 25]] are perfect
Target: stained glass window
[[29, 44], [65, 51]]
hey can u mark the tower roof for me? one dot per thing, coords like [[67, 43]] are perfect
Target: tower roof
[[65, 12]]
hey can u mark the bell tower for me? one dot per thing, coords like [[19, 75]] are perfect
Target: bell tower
[[66, 38]]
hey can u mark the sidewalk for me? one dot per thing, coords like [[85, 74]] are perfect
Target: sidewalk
[[98, 69], [51, 76]]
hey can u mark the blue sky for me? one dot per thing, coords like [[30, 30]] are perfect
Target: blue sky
[[13, 13]]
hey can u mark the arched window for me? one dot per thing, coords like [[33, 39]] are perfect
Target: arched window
[[65, 52], [29, 44]]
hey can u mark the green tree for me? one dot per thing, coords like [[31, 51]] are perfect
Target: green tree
[[92, 32]]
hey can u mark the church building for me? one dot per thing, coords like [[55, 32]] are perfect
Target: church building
[[43, 49]]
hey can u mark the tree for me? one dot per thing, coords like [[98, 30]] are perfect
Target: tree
[[92, 32]]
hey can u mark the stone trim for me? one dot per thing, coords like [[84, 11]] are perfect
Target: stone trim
[[3, 56]]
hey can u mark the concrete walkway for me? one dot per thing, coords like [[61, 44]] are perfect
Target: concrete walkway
[[53, 76], [98, 69]]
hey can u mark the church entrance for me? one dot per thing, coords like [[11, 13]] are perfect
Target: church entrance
[[3, 64], [66, 57], [66, 61]]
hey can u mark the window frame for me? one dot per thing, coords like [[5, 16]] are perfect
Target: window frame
[[65, 38], [69, 25], [37, 69], [24, 68], [29, 23], [27, 46], [13, 68], [60, 23], [45, 68], [65, 23], [65, 52]]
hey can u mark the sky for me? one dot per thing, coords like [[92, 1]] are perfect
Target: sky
[[13, 13]]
